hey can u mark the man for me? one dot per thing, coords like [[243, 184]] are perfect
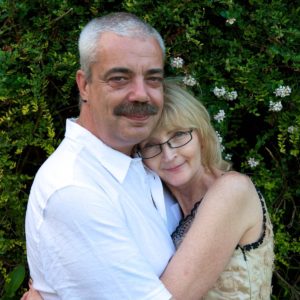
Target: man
[[97, 225]]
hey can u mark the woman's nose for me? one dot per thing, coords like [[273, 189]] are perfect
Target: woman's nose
[[168, 153]]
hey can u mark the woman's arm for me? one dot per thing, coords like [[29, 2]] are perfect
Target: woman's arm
[[229, 213]]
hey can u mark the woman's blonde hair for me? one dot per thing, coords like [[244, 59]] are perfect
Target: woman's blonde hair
[[182, 110]]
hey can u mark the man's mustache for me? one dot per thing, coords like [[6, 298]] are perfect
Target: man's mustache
[[135, 108]]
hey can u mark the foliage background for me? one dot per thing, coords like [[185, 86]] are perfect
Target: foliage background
[[253, 56]]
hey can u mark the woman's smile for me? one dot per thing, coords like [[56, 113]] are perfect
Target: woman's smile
[[174, 168]]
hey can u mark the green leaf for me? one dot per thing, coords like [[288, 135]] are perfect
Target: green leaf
[[15, 279]]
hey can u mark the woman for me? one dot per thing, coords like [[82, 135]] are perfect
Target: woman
[[225, 240], [226, 225]]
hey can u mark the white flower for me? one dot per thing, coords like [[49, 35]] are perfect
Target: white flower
[[220, 116], [292, 129], [231, 95], [177, 62], [283, 91], [275, 106], [219, 92], [252, 162], [189, 80], [228, 156], [219, 137], [230, 20]]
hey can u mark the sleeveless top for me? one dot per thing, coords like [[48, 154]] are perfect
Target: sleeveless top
[[248, 274]]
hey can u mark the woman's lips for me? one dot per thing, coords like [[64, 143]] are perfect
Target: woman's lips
[[174, 168]]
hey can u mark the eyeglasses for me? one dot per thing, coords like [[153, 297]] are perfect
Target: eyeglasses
[[179, 139]]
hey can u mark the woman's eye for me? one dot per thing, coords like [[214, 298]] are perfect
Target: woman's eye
[[147, 146], [179, 134]]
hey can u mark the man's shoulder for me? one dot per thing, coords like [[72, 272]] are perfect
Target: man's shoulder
[[58, 171], [71, 165], [58, 163]]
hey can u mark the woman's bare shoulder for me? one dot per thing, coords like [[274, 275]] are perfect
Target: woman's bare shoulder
[[236, 186], [235, 178]]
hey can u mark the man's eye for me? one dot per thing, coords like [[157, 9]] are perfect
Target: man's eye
[[117, 81], [155, 80]]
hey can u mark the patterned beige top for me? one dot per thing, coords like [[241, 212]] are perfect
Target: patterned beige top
[[248, 274]]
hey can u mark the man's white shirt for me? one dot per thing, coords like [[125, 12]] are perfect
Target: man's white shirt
[[97, 224]]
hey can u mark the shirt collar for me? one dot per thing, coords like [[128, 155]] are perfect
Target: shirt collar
[[117, 163]]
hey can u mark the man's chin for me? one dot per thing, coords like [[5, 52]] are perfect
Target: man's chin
[[139, 133]]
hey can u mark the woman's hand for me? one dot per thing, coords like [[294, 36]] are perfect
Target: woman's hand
[[31, 294]]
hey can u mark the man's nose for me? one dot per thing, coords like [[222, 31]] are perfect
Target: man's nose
[[139, 90]]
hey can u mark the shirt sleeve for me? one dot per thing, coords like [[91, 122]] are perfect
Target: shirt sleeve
[[88, 252]]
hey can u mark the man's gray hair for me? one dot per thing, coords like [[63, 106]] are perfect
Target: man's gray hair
[[121, 23]]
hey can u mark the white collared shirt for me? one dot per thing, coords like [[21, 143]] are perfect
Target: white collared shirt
[[92, 230]]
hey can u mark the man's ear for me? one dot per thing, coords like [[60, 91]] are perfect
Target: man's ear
[[82, 84]]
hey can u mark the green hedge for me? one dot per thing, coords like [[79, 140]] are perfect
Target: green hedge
[[244, 61]]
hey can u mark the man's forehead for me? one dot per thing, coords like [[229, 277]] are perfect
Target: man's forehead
[[110, 41], [137, 35]]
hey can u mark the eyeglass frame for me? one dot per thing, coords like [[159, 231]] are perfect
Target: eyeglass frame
[[168, 143]]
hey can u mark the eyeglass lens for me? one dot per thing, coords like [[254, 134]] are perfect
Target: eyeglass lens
[[179, 139]]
